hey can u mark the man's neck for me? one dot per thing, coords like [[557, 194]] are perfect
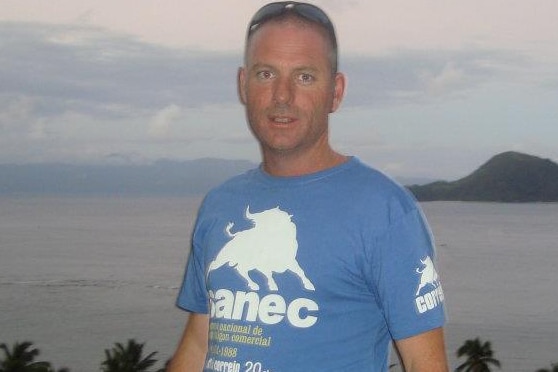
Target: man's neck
[[292, 165]]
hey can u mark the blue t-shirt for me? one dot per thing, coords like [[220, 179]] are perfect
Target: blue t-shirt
[[311, 273]]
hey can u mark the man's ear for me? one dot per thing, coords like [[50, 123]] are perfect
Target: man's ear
[[340, 84], [241, 81]]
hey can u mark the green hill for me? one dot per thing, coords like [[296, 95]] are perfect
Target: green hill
[[507, 177]]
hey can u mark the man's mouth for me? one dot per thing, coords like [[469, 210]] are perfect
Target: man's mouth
[[282, 119]]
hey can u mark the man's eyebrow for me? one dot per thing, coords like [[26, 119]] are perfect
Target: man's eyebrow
[[257, 66], [306, 69], [303, 68], [296, 70]]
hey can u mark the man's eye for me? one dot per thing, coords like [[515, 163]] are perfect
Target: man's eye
[[265, 75], [306, 78]]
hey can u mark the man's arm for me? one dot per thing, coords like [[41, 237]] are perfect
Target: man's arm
[[191, 351], [424, 352]]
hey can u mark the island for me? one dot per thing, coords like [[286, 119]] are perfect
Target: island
[[509, 177]]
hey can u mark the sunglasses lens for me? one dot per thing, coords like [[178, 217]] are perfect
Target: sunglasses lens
[[267, 12], [273, 10], [313, 13]]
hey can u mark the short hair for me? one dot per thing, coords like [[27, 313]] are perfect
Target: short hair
[[303, 12]]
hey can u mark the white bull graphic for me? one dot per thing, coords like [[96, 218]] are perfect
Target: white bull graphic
[[428, 274], [269, 247]]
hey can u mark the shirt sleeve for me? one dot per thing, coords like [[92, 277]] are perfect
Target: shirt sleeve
[[407, 284], [193, 294]]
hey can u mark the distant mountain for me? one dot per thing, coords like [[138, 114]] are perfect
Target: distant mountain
[[507, 177], [163, 177], [413, 180]]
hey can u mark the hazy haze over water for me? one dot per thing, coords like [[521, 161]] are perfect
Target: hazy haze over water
[[79, 274]]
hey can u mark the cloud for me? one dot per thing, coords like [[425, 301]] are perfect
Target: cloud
[[408, 76], [95, 72], [14, 112], [90, 69], [160, 124], [444, 80], [85, 93]]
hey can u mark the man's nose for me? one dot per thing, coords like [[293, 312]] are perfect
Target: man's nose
[[283, 90]]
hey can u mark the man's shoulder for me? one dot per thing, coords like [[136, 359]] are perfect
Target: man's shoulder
[[373, 187], [369, 176], [234, 184]]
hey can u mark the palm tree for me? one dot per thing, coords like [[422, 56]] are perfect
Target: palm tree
[[58, 370], [21, 358], [553, 368], [50, 369], [479, 356], [128, 359]]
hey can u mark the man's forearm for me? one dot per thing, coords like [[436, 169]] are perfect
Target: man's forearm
[[191, 352], [424, 352]]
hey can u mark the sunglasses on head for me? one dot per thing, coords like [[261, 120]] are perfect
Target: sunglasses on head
[[306, 11]]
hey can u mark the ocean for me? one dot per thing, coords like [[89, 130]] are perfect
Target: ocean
[[78, 274]]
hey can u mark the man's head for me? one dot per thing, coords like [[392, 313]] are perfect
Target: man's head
[[303, 12], [289, 84]]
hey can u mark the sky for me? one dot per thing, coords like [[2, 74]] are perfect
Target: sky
[[435, 88]]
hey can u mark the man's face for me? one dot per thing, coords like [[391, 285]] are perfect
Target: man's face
[[288, 88]]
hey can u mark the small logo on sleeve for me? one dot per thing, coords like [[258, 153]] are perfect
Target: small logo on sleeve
[[429, 294]]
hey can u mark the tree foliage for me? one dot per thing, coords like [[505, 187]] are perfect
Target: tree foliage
[[21, 358], [553, 368], [480, 356], [128, 358]]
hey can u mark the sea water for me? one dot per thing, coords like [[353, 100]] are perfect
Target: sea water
[[79, 274]]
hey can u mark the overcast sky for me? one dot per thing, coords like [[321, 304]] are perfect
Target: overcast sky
[[435, 88]]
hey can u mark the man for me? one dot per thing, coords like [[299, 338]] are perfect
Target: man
[[313, 261]]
